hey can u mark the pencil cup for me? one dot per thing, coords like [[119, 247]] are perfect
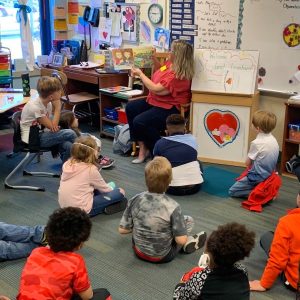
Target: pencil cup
[[25, 84]]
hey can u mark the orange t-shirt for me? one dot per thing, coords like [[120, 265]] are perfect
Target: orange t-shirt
[[284, 254], [51, 275], [180, 89]]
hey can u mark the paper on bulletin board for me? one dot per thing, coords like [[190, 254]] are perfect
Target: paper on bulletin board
[[105, 26], [73, 7], [116, 41], [73, 19], [60, 25], [145, 32], [116, 23], [221, 137], [129, 22], [95, 38], [59, 12], [161, 38]]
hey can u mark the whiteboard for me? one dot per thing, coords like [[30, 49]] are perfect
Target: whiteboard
[[234, 150], [217, 22], [225, 71], [263, 29]]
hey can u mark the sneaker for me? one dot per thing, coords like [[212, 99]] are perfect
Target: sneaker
[[116, 207], [195, 242], [105, 162]]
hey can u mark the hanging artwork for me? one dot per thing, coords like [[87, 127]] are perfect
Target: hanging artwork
[[221, 126], [105, 29], [162, 38]]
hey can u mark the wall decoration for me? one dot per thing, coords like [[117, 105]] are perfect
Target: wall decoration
[[221, 126], [162, 38], [291, 35], [145, 32], [105, 29], [155, 13]]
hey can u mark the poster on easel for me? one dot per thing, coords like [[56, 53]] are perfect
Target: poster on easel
[[225, 71], [222, 132]]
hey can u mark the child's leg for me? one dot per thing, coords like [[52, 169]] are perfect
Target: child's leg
[[64, 138], [103, 200], [98, 294], [183, 190], [21, 234], [266, 241], [241, 188]]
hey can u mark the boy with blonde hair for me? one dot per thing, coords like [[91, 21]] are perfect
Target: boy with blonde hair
[[262, 156], [159, 229], [39, 111]]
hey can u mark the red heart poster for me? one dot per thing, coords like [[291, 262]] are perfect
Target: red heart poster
[[221, 126]]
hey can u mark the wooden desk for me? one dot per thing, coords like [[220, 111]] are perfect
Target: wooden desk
[[89, 80], [11, 100]]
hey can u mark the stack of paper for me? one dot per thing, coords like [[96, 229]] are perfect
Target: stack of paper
[[131, 93]]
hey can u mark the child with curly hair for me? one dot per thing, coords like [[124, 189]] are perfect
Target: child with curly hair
[[81, 184], [57, 271], [221, 277]]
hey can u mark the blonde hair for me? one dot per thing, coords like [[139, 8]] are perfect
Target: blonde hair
[[264, 120], [182, 59], [158, 175], [83, 150], [47, 85]]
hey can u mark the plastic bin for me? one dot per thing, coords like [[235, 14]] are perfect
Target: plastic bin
[[111, 113], [122, 116]]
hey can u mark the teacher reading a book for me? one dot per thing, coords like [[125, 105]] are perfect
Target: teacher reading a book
[[169, 88]]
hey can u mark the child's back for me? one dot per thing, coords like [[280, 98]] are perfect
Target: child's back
[[156, 219]]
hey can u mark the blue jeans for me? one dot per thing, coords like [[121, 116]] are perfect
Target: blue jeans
[[146, 122], [18, 241], [102, 200], [63, 138], [242, 188]]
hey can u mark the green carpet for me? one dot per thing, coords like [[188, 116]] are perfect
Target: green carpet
[[217, 181]]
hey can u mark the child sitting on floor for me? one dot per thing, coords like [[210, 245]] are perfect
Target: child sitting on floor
[[82, 185], [57, 271], [159, 228], [181, 151], [68, 120], [219, 276], [262, 156], [283, 250]]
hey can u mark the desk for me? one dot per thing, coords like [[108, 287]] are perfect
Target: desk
[[11, 100], [89, 80]]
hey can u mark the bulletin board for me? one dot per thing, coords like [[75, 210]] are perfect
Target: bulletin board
[[273, 28], [222, 132]]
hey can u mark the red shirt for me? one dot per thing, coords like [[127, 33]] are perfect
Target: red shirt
[[180, 89], [285, 251], [49, 275]]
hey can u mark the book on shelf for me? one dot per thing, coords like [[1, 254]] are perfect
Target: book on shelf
[[129, 94], [115, 89]]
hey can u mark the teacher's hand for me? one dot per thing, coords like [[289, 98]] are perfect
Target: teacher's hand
[[136, 71]]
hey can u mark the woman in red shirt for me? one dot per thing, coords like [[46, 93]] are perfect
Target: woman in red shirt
[[169, 87]]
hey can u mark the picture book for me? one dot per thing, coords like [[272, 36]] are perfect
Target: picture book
[[142, 57], [122, 58], [115, 89]]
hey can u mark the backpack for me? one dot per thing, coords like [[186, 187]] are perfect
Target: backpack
[[122, 143]]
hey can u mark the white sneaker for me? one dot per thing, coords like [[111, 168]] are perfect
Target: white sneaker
[[195, 242]]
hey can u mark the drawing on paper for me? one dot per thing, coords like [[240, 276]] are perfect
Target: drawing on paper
[[291, 35], [227, 71], [222, 126]]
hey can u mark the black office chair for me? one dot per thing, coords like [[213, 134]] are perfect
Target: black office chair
[[20, 146]]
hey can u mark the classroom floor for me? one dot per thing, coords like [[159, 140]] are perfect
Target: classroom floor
[[109, 257]]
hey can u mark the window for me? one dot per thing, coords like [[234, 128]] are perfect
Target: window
[[10, 28]]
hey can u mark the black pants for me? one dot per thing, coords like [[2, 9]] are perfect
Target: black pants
[[146, 122], [99, 294]]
